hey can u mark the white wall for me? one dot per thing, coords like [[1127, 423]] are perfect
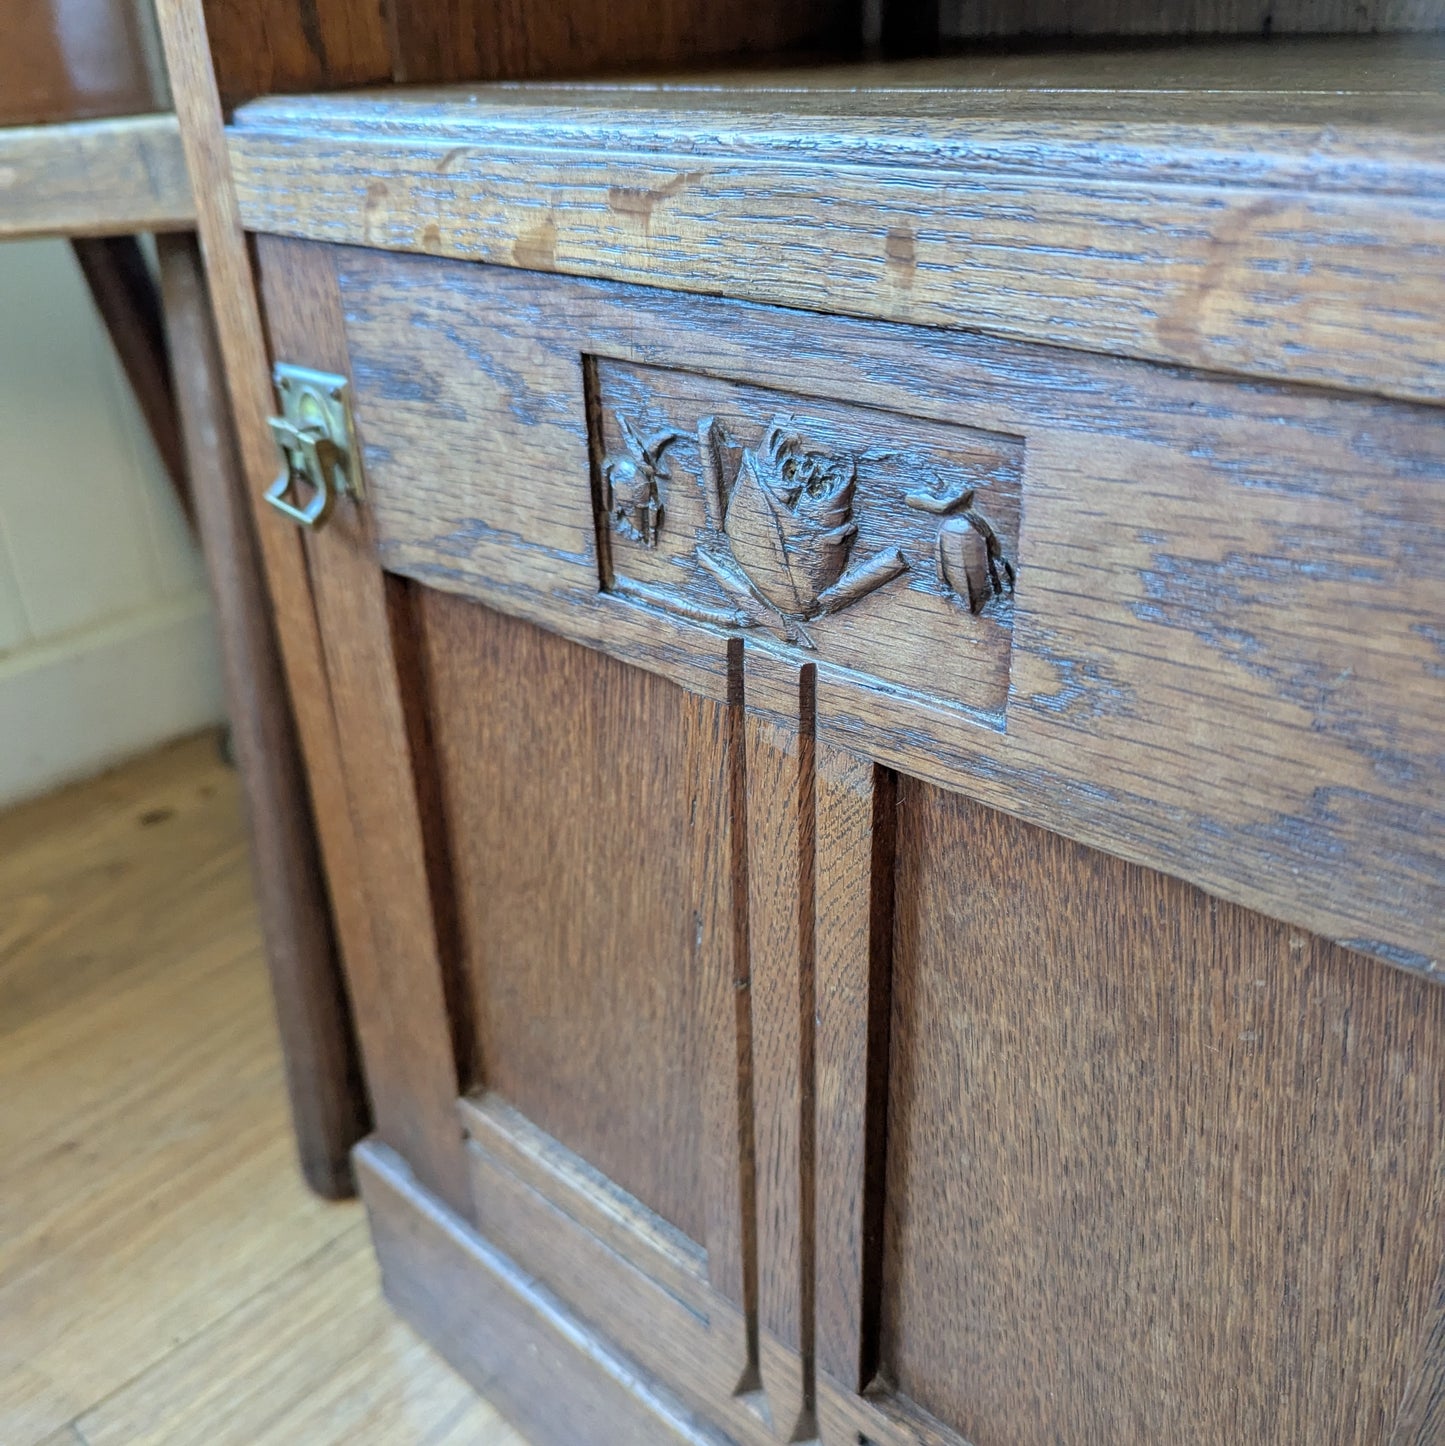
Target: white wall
[[106, 641]]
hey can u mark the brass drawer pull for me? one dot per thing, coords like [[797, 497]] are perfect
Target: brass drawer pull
[[314, 434]]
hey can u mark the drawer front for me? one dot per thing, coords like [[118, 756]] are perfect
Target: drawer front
[[1196, 622]]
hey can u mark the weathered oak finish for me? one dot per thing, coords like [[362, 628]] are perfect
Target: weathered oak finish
[[717, 887], [1252, 573], [1192, 216], [618, 1267], [576, 920], [474, 1305], [502, 1140], [378, 836], [242, 349], [912, 489], [855, 823], [1422, 1417], [785, 755], [781, 925], [1129, 1131]]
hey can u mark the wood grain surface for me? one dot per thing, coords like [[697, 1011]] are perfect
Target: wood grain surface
[[1008, 1134], [166, 1279], [276, 45], [94, 178], [1224, 1113], [778, 734], [1186, 211], [504, 40], [856, 810], [889, 459], [242, 349], [318, 1357], [1422, 1416], [505, 1332], [502, 1139], [144, 1125], [619, 1269], [405, 984], [717, 885], [1132, 1124], [564, 775], [1227, 621]]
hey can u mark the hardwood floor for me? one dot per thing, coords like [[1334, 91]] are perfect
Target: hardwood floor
[[165, 1277]]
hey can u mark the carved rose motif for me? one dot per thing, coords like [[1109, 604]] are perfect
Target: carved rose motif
[[787, 523], [788, 520]]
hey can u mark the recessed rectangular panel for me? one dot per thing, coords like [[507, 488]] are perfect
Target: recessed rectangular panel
[[1159, 1169], [564, 777], [883, 543]]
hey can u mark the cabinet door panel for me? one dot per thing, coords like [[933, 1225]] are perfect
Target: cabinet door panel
[[565, 779], [1159, 1168], [541, 872]]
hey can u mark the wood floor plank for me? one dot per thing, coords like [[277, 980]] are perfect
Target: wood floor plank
[[165, 1276], [315, 1358], [103, 877]]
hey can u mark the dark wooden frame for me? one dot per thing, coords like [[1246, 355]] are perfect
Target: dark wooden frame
[[99, 183]]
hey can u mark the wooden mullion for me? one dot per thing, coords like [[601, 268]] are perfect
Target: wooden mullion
[[855, 838], [779, 748]]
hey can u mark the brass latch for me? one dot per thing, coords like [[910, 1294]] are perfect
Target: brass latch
[[317, 445]]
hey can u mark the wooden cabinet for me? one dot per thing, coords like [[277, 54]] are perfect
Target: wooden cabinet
[[890, 872]]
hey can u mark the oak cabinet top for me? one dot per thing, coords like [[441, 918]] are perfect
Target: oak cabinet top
[[1270, 209]]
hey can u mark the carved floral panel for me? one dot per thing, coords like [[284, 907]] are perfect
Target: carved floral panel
[[882, 543]]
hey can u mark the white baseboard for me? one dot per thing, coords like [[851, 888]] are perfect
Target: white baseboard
[[76, 705]]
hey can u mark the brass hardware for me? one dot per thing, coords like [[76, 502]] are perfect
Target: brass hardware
[[314, 434]]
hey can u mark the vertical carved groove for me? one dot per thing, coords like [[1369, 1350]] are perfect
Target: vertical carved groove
[[807, 1005], [880, 1018], [592, 403], [742, 987], [854, 860]]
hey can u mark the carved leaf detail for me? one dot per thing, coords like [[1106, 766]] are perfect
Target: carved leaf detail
[[789, 519]]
